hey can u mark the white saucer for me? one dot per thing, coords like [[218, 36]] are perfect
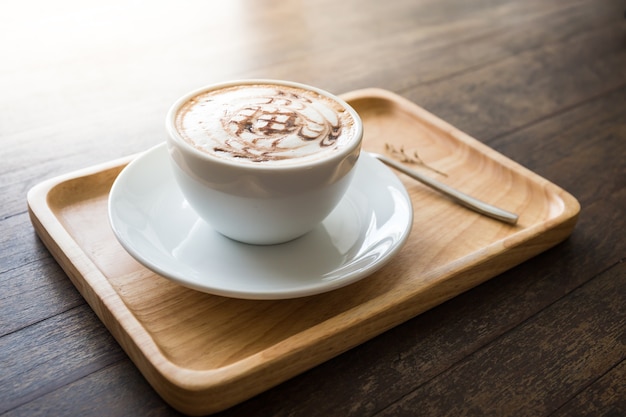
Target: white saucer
[[154, 223]]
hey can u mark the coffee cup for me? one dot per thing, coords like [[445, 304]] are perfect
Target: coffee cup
[[263, 161]]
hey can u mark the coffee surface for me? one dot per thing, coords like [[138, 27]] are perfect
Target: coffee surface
[[269, 124]]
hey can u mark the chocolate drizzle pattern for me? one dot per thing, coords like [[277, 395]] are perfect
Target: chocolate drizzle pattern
[[268, 123]]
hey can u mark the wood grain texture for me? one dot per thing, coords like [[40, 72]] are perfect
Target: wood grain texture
[[560, 364], [24, 355], [605, 397], [540, 81]]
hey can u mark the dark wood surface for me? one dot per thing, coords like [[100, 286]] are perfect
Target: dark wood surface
[[541, 81]]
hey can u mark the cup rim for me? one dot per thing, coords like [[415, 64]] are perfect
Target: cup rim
[[182, 144]]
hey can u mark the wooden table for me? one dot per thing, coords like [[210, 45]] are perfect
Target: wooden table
[[542, 82]]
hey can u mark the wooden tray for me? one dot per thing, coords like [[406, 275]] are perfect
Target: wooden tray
[[204, 353]]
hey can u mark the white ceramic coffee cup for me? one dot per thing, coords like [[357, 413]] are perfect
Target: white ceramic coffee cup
[[262, 203]]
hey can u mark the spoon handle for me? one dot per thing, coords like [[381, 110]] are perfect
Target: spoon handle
[[461, 198]]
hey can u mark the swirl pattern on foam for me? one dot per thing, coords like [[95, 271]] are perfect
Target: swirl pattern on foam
[[263, 123]]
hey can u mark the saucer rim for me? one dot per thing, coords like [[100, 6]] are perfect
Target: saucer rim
[[309, 289]]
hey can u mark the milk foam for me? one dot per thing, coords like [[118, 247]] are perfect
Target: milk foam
[[261, 123]]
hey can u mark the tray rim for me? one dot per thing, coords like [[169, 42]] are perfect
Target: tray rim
[[183, 387]]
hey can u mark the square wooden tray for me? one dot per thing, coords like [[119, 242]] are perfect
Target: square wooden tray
[[204, 353]]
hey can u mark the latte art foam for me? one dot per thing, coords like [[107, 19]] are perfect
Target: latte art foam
[[264, 123]]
